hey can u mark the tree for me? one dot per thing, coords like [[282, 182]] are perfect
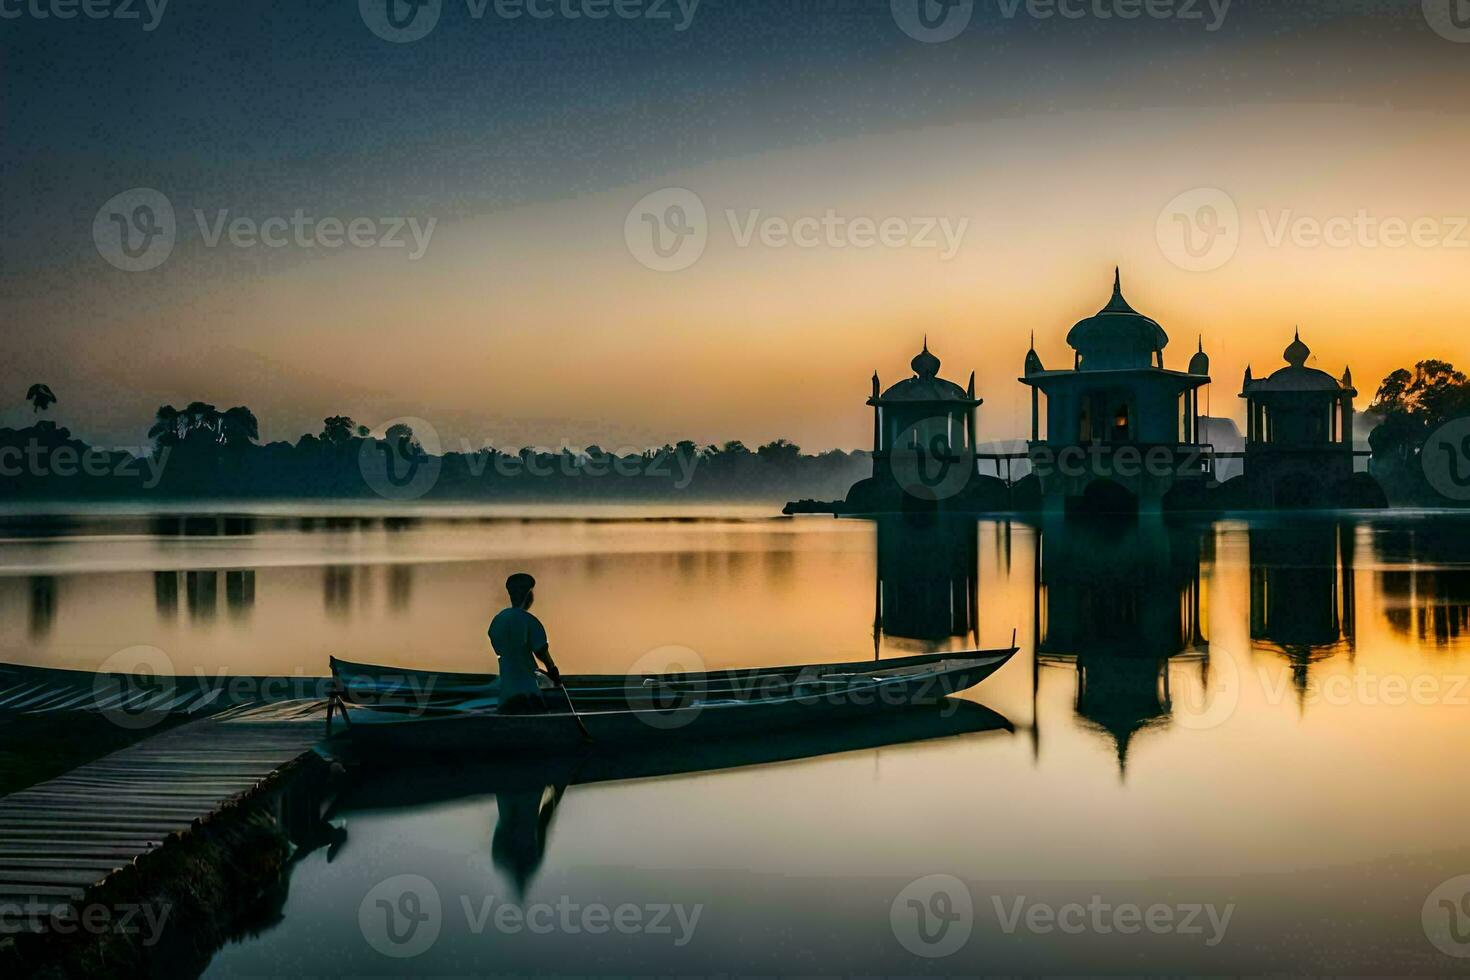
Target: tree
[[166, 430], [1414, 404], [41, 397], [337, 430], [780, 453], [400, 436], [201, 422], [238, 427]]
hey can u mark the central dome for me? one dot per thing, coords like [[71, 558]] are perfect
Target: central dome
[[1117, 336]]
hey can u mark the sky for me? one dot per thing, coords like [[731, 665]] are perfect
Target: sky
[[827, 189]]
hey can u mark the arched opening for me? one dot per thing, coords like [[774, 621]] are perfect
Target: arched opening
[[1104, 497]]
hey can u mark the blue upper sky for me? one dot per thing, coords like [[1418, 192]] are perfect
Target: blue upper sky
[[275, 102]]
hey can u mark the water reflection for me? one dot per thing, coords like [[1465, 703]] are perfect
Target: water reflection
[[240, 592], [339, 584], [522, 831], [927, 577], [1428, 586], [1302, 594], [201, 593], [1118, 603], [43, 590], [1115, 604], [400, 588], [529, 792]]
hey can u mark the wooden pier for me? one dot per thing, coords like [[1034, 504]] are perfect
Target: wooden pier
[[60, 839]]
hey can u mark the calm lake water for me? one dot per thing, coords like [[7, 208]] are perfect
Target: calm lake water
[[1228, 746]]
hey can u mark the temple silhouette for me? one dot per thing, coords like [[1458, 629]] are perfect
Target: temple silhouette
[[1116, 432]]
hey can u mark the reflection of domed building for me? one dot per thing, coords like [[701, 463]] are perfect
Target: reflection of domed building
[[927, 572], [924, 433], [1302, 595], [1114, 405], [1119, 605], [1299, 437]]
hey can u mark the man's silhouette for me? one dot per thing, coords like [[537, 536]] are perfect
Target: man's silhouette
[[519, 640]]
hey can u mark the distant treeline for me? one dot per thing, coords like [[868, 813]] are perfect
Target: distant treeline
[[202, 452]]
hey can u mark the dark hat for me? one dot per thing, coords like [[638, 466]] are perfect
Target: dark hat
[[518, 585]]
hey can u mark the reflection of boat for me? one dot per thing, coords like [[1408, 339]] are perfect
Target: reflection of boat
[[601, 762], [529, 787], [447, 716]]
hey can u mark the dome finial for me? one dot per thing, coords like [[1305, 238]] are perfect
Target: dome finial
[[1033, 360], [1296, 353], [1200, 362], [925, 364], [1117, 280]]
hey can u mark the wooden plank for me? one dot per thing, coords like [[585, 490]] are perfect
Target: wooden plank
[[73, 832]]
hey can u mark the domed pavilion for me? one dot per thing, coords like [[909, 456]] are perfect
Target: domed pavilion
[[1121, 428], [1299, 433]]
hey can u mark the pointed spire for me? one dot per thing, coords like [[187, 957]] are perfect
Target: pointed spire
[[1201, 343], [875, 384], [971, 389], [1117, 304]]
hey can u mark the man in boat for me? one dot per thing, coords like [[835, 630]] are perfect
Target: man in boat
[[519, 640]]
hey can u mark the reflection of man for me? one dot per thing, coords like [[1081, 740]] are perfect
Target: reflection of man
[[522, 831], [519, 640]]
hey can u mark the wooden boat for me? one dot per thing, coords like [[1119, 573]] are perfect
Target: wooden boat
[[389, 709], [597, 762]]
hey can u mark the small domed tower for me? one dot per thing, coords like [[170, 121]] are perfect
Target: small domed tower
[[923, 410], [1299, 431]]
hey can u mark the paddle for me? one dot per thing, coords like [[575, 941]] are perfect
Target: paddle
[[586, 735]]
